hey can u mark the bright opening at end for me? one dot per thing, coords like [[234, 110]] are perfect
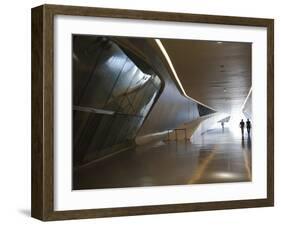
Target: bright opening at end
[[234, 121]]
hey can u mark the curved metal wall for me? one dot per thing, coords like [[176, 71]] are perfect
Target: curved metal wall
[[111, 97]]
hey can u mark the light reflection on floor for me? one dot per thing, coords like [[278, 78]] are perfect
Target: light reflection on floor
[[218, 156]]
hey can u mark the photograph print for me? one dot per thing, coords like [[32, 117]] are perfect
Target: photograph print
[[159, 112]]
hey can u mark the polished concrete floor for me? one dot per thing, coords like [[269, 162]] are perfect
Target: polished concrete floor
[[216, 157]]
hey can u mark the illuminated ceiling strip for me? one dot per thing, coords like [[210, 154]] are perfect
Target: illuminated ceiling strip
[[163, 50], [245, 101]]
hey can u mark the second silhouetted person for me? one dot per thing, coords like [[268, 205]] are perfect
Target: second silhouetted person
[[248, 126]]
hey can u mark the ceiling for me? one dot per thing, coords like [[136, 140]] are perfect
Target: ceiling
[[217, 74]]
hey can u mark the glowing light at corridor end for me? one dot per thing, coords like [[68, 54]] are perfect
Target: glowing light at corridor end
[[234, 121]]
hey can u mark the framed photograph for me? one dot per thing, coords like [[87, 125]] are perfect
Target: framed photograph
[[141, 112]]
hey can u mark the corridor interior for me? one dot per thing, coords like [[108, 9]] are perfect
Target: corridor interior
[[146, 113], [218, 155]]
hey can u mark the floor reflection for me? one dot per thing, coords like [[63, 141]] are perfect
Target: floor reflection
[[218, 157]]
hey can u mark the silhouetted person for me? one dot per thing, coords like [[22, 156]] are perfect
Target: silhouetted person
[[242, 125], [248, 126], [222, 126]]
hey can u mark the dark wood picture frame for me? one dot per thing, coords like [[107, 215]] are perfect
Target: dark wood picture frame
[[42, 204]]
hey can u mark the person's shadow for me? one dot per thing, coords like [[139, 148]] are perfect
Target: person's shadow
[[249, 142], [243, 142]]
